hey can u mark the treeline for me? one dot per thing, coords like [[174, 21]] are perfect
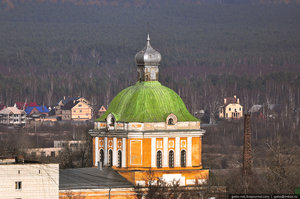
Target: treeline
[[10, 4], [48, 51]]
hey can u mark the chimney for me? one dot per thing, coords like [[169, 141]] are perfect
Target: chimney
[[224, 100], [247, 152], [238, 100], [234, 96]]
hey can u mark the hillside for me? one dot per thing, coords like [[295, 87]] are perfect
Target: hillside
[[48, 49]]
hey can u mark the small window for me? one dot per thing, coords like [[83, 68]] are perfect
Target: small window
[[229, 109], [52, 153], [43, 154], [80, 111], [39, 171], [18, 185], [19, 171], [240, 109], [33, 154], [170, 121], [79, 105]]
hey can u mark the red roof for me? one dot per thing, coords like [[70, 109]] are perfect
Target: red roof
[[230, 100], [20, 105], [2, 106]]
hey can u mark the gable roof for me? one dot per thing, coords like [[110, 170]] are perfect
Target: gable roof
[[21, 105], [70, 105], [12, 109], [255, 108], [230, 100], [40, 109], [102, 109], [64, 101]]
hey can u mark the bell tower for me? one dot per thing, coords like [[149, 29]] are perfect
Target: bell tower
[[147, 61]]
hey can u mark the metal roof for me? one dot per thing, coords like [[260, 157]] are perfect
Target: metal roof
[[12, 110], [91, 178], [147, 102]]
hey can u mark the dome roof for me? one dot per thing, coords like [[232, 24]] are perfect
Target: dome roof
[[148, 56], [147, 102]]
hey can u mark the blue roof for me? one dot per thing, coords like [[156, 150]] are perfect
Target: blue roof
[[41, 109]]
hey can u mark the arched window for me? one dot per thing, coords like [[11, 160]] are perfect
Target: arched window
[[112, 122], [170, 121], [171, 159], [119, 159], [183, 158], [159, 159], [101, 156], [110, 158]]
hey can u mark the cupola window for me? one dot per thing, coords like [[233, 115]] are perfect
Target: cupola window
[[110, 120], [159, 159], [171, 119]]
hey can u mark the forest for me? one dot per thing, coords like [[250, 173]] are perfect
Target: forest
[[210, 50]]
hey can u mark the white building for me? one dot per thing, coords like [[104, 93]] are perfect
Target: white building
[[12, 116], [72, 144], [29, 180]]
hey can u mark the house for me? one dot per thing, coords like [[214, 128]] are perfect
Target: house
[[61, 113], [42, 152], [37, 111], [101, 111], [25, 179], [265, 111], [257, 110], [74, 145], [231, 109], [24, 105], [76, 108], [12, 116]]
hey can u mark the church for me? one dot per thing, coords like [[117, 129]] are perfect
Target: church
[[147, 134]]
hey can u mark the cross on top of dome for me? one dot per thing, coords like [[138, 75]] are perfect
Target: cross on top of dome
[[148, 56]]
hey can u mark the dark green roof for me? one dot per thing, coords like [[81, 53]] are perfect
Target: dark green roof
[[147, 102]]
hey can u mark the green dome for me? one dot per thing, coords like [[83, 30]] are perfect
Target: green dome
[[147, 102]]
